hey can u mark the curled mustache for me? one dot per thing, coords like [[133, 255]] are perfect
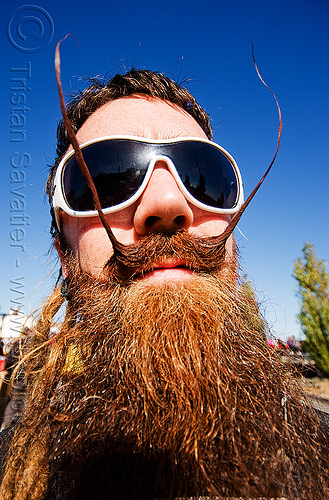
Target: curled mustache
[[201, 254]]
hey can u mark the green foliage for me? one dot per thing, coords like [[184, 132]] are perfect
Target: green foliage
[[312, 278]]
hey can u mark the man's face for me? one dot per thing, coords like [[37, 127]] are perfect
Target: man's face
[[162, 206]]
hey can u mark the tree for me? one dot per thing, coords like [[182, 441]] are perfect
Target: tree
[[312, 278]]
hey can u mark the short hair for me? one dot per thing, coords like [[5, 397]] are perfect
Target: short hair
[[135, 81]]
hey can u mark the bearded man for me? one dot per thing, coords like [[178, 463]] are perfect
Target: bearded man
[[159, 383]]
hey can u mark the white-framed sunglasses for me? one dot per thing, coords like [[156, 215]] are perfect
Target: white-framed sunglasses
[[121, 167]]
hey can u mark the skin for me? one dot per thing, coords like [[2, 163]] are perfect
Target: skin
[[154, 119]]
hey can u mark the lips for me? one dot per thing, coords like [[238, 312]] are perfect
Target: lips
[[169, 270], [172, 264]]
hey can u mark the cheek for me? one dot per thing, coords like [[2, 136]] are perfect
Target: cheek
[[90, 244], [92, 249], [208, 224]]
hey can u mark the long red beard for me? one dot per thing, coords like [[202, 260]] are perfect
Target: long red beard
[[163, 392], [180, 376]]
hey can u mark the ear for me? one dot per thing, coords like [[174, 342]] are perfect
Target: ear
[[65, 267]]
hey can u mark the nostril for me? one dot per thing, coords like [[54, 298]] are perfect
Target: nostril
[[180, 220], [150, 221]]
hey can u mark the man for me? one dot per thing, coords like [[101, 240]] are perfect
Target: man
[[159, 383]]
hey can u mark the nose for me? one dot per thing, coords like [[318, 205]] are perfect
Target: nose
[[162, 206]]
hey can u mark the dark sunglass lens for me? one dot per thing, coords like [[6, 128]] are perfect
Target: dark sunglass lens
[[116, 169], [207, 174]]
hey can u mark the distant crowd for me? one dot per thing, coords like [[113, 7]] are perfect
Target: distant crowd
[[290, 346]]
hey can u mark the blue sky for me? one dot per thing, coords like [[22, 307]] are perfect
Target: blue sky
[[205, 42]]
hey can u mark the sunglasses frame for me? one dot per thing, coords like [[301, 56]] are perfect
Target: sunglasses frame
[[59, 203]]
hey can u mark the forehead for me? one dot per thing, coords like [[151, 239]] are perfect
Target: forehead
[[140, 116]]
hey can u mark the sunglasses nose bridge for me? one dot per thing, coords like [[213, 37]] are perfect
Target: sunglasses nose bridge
[[163, 161], [161, 158]]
